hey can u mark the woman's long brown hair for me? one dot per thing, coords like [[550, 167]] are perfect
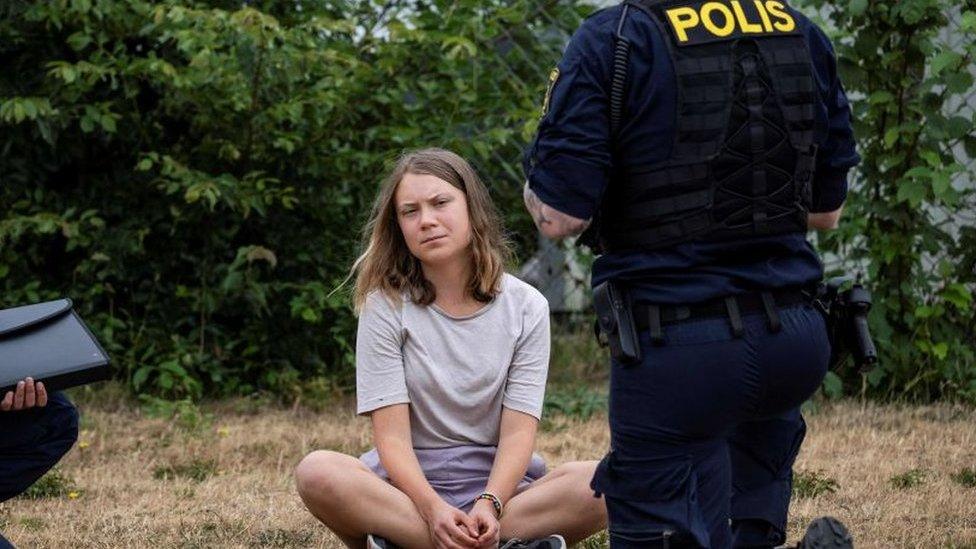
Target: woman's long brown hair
[[386, 263]]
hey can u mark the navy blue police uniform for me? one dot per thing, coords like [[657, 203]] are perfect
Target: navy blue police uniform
[[33, 441], [733, 127]]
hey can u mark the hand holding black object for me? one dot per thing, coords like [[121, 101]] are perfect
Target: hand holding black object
[[26, 395]]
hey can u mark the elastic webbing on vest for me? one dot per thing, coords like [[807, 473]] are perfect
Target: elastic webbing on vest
[[743, 154]]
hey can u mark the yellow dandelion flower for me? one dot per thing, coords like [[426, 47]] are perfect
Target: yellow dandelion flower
[[83, 444], [73, 495]]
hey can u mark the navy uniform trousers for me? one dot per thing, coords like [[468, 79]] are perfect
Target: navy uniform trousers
[[31, 442], [704, 432]]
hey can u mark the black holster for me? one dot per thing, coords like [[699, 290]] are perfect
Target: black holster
[[615, 323], [845, 312]]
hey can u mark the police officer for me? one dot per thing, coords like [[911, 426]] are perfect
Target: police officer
[[37, 430], [696, 143]]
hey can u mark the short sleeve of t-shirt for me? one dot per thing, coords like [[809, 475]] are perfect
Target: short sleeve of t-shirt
[[526, 385], [380, 379]]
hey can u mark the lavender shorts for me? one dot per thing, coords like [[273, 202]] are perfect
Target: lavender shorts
[[459, 473]]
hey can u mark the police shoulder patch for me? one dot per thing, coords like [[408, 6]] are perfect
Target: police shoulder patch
[[553, 77], [706, 21]]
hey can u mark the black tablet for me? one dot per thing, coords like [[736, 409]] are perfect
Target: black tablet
[[48, 342]]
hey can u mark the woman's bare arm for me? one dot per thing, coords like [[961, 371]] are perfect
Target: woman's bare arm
[[391, 433], [516, 439]]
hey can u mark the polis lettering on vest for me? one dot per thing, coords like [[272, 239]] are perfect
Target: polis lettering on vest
[[732, 18]]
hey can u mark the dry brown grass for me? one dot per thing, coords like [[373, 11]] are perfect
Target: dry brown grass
[[144, 482]]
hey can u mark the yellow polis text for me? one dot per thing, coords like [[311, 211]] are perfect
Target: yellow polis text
[[772, 17]]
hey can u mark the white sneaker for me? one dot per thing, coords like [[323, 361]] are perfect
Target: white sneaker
[[376, 542], [554, 541]]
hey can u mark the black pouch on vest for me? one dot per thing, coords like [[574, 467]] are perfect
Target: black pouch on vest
[[615, 322], [48, 342]]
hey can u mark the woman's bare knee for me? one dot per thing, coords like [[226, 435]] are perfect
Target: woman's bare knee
[[576, 469], [323, 472]]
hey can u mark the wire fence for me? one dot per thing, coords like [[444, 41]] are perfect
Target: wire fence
[[956, 40], [559, 270]]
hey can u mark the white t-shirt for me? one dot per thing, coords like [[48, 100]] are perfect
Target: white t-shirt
[[456, 372]]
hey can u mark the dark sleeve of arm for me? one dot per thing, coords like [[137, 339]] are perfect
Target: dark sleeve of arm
[[837, 154], [568, 164]]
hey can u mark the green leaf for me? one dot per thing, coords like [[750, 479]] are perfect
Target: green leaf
[[924, 311], [941, 185], [108, 123], [969, 144], [932, 158], [858, 7], [959, 82], [833, 387], [940, 350], [919, 172], [968, 22], [30, 109], [891, 137], [912, 192], [959, 295], [140, 377], [880, 97], [19, 113], [68, 74], [876, 376], [165, 380], [945, 60], [79, 40], [959, 127]]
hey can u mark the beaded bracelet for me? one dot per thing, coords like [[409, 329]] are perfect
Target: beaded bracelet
[[495, 502]]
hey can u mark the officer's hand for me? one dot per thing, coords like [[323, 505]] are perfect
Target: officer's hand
[[26, 395]]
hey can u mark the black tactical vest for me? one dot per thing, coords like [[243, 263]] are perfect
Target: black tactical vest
[[743, 153]]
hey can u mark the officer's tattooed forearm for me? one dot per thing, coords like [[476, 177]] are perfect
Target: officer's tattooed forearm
[[552, 223], [534, 205]]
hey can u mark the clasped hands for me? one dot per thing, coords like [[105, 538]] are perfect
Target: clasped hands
[[452, 528]]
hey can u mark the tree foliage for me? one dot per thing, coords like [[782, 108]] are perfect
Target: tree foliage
[[195, 174], [909, 69]]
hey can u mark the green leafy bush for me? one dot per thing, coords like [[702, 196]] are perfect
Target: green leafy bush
[[909, 479], [195, 174], [908, 222], [53, 484], [966, 477], [810, 484], [197, 470]]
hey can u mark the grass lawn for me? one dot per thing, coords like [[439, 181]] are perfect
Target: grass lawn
[[221, 476]]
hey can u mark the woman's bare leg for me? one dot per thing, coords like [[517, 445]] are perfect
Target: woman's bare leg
[[353, 501], [559, 503]]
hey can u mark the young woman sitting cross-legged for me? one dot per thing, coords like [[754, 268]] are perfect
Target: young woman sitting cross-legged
[[451, 361]]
